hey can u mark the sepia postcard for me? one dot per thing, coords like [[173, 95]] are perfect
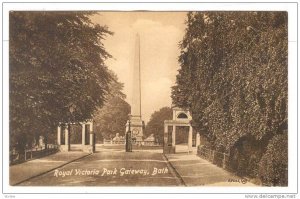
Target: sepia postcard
[[134, 98]]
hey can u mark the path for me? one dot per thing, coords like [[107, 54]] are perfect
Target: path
[[196, 171], [27, 170]]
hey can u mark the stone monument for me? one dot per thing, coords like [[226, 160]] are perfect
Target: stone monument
[[135, 118]]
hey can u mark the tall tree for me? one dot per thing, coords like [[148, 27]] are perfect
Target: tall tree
[[112, 117], [57, 70], [155, 125], [233, 76]]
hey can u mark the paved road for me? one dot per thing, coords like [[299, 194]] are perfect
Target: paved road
[[112, 168]]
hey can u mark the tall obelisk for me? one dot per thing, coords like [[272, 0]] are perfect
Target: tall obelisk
[[135, 118]]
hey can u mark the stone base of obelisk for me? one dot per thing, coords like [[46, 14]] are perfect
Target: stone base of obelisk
[[136, 128]]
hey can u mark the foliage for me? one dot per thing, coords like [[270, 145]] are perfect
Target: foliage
[[274, 163], [57, 71], [156, 123], [112, 117], [233, 75], [245, 156]]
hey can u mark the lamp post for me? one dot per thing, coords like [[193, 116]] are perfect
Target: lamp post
[[72, 108], [128, 146]]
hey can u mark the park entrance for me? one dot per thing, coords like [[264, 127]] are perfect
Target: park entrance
[[178, 133], [67, 132], [182, 139]]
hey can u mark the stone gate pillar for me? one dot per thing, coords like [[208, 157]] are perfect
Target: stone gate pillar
[[173, 135], [169, 147], [67, 138], [90, 147], [92, 138], [59, 135], [190, 139], [66, 146], [197, 139], [83, 138], [165, 135]]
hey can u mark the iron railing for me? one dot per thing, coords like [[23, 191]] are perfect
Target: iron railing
[[218, 158], [32, 153]]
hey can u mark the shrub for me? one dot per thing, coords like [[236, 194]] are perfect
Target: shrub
[[273, 167], [245, 156]]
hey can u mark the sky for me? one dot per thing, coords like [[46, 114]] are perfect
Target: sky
[[160, 34]]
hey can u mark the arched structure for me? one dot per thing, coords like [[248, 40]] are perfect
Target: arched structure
[[88, 136], [181, 117]]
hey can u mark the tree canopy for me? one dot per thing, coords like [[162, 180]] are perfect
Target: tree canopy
[[57, 70], [112, 117], [234, 80], [155, 125], [233, 74]]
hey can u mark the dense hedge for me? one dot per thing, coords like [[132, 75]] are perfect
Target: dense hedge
[[233, 78], [273, 167]]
